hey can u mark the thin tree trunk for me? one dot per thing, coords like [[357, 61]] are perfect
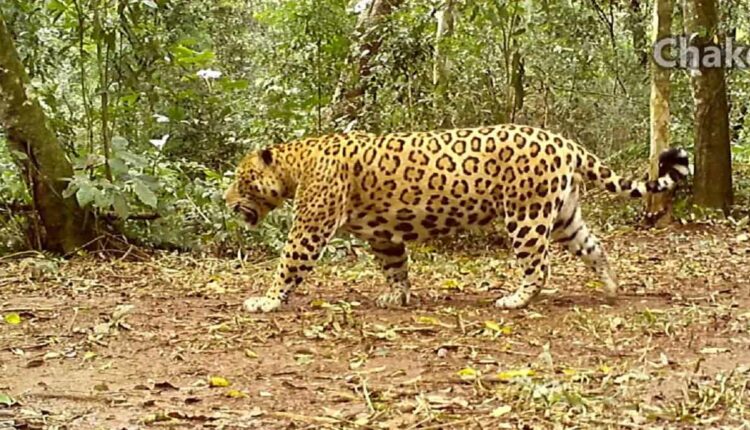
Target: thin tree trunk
[[43, 163], [636, 22], [440, 68], [713, 158], [514, 69], [659, 206], [444, 18], [348, 98], [515, 85]]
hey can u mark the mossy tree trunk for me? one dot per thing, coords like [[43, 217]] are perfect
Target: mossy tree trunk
[[713, 157], [43, 162], [353, 86]]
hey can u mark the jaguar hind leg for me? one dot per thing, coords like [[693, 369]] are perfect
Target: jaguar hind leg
[[394, 262], [571, 231]]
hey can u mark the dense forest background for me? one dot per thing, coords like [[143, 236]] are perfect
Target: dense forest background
[[154, 101], [121, 122]]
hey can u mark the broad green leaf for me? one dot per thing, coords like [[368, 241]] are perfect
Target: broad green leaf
[[103, 200], [12, 318], [144, 194], [70, 190], [134, 159], [122, 209], [56, 6], [150, 3], [85, 194], [119, 142], [118, 167]]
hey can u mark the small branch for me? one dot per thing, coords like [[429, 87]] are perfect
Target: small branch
[[133, 217], [22, 208]]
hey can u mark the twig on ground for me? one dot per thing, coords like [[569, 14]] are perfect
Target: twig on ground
[[444, 425], [73, 320], [304, 418], [366, 395]]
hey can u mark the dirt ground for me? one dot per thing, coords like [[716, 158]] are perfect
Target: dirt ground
[[163, 342]]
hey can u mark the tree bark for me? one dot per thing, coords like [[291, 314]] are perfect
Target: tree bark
[[444, 18], [348, 99], [515, 85], [43, 162], [659, 206], [713, 158], [636, 23], [441, 66]]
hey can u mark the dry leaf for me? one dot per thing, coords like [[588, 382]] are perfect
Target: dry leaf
[[428, 320], [12, 318], [518, 373], [468, 374], [500, 411], [236, 394], [218, 381]]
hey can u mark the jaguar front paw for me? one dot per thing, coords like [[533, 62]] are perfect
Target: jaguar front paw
[[261, 304], [513, 301], [393, 299]]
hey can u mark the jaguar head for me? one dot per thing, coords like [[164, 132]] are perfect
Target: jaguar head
[[257, 188]]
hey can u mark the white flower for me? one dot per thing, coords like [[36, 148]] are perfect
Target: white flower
[[361, 6], [159, 143], [209, 74], [161, 119]]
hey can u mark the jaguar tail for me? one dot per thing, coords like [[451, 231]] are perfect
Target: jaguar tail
[[674, 165]]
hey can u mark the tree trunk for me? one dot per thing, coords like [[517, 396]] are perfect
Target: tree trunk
[[348, 99], [40, 156], [440, 68], [713, 158], [659, 206], [515, 85], [636, 23], [444, 18]]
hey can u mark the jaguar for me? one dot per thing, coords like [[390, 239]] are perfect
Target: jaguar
[[396, 188]]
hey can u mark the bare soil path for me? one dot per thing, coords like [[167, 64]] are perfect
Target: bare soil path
[[124, 345]]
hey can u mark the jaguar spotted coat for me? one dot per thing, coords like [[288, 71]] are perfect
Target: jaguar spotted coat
[[403, 187]]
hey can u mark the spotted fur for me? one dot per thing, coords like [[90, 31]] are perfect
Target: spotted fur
[[404, 187]]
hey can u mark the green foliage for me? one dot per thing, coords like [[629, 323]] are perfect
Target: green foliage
[[13, 194], [156, 100]]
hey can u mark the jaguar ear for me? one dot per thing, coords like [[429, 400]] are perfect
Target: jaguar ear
[[266, 156]]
